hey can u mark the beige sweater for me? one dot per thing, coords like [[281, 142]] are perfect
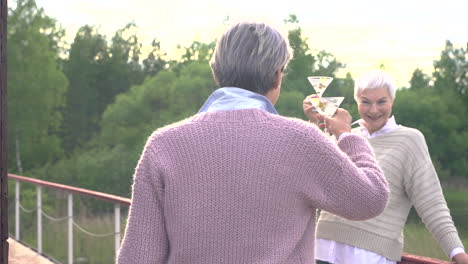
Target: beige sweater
[[404, 157]]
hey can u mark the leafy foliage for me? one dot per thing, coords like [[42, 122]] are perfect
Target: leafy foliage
[[36, 88], [438, 107], [112, 99]]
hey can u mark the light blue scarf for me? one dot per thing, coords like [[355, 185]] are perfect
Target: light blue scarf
[[233, 98]]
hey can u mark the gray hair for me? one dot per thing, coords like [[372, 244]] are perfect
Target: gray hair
[[249, 56], [375, 79]]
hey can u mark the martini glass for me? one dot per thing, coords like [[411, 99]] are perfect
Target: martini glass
[[326, 105], [320, 83]]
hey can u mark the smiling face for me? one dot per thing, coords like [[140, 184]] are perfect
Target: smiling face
[[375, 107]]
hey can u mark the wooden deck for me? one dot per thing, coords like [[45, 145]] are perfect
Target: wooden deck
[[20, 254]]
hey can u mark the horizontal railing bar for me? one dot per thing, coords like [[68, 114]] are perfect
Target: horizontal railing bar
[[406, 258], [85, 192], [414, 259]]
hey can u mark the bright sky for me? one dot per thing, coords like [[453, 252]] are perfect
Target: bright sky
[[400, 34]]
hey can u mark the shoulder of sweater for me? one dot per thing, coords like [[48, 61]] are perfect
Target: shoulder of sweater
[[409, 140], [293, 121], [410, 134], [299, 125], [276, 119], [402, 133], [166, 130], [171, 127], [296, 126], [410, 131]]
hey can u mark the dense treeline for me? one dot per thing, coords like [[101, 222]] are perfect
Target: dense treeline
[[80, 114]]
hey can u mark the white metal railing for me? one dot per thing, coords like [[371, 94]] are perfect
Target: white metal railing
[[116, 200]]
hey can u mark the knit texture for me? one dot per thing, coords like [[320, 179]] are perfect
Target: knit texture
[[243, 186], [404, 157]]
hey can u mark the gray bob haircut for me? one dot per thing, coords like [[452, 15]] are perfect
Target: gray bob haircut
[[248, 56], [375, 79]]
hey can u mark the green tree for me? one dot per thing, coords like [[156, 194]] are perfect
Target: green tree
[[303, 64], [122, 68], [155, 61], [87, 54], [450, 85], [345, 87], [159, 101], [112, 154], [98, 72], [438, 117], [419, 80], [451, 71], [36, 87], [196, 52]]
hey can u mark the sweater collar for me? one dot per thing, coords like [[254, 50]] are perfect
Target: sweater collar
[[388, 127], [233, 98]]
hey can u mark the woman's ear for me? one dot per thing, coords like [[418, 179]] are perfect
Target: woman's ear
[[215, 79], [278, 79]]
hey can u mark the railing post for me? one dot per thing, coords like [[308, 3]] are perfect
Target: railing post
[[70, 228], [39, 219], [117, 228], [17, 210]]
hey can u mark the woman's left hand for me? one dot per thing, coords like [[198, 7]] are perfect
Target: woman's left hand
[[461, 258], [310, 111]]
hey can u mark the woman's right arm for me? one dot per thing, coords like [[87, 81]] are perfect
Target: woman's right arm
[[425, 192], [345, 178]]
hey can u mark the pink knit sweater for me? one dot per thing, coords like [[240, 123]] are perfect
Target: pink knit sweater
[[243, 186]]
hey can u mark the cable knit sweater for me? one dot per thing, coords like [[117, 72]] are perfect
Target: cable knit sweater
[[404, 157], [243, 186]]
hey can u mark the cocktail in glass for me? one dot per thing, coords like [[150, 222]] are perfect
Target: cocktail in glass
[[326, 106], [320, 83]]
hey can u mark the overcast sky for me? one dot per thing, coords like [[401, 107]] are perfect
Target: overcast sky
[[401, 34]]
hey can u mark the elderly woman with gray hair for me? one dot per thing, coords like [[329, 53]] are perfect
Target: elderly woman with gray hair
[[403, 155], [238, 183]]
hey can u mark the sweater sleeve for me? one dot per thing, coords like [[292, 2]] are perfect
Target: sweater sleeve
[[350, 183], [423, 189], [145, 238]]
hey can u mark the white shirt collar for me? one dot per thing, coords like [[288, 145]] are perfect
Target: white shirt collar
[[388, 127]]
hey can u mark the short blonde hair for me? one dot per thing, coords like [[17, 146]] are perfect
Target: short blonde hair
[[375, 79]]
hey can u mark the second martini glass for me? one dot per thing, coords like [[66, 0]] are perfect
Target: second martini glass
[[320, 83], [326, 106]]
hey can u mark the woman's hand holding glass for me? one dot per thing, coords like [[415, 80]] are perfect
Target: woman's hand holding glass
[[461, 258], [339, 123], [310, 111]]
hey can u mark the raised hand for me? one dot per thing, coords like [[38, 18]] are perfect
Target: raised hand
[[310, 111], [461, 258]]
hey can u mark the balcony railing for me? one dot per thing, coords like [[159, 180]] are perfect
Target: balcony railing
[[117, 201], [70, 191]]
